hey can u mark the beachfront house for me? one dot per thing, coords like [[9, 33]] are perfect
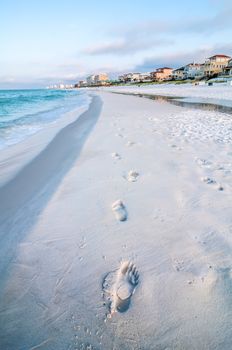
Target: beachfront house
[[129, 77], [160, 74], [215, 64], [194, 70], [228, 69], [178, 74], [145, 77]]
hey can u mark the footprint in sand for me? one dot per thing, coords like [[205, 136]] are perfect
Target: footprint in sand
[[210, 181], [119, 286], [130, 143], [119, 135], [119, 210], [203, 162], [132, 176], [115, 155], [178, 265]]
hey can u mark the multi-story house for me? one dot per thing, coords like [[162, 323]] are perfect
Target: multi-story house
[[227, 70], [194, 70], [215, 64], [178, 74], [164, 73], [143, 77], [129, 77]]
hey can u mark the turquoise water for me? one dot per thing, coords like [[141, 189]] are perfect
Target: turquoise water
[[25, 112]]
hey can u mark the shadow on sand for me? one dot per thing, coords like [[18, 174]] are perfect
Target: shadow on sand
[[24, 197]]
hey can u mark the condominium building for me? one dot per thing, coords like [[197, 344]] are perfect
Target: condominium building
[[101, 78], [90, 79]]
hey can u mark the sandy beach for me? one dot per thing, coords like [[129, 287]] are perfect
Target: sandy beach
[[117, 235]]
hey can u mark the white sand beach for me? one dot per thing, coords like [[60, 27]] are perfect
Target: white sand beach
[[118, 234]]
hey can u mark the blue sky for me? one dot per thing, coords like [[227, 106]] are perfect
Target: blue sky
[[48, 41]]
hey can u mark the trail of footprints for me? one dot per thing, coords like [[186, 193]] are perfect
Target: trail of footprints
[[118, 286], [206, 164]]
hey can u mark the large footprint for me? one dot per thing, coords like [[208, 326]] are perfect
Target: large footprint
[[119, 210], [119, 286]]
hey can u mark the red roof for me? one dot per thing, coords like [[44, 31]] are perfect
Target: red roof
[[225, 56]]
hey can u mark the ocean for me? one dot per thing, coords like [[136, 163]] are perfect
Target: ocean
[[25, 112]]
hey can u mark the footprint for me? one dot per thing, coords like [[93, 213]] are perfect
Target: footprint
[[119, 135], [82, 243], [178, 265], [210, 181], [130, 143], [203, 162], [132, 176], [220, 187], [119, 210], [115, 155], [119, 286]]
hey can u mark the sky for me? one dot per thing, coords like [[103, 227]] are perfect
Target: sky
[[43, 42]]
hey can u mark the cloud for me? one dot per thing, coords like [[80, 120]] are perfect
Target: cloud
[[157, 33], [202, 24], [126, 45]]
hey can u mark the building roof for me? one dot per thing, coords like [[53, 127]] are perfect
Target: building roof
[[194, 64], [222, 56], [181, 68]]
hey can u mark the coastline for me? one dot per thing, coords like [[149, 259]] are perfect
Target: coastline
[[14, 157], [216, 92], [66, 238]]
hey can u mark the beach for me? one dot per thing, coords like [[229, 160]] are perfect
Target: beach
[[132, 197]]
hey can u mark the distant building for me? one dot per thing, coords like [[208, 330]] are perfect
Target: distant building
[[90, 80], [160, 74], [68, 86], [129, 77], [101, 78], [215, 64], [81, 83], [178, 74], [143, 77], [97, 79], [227, 70], [193, 70]]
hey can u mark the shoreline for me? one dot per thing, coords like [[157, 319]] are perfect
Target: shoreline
[[195, 103], [215, 93], [14, 157]]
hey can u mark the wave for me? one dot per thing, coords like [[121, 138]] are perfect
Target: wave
[[24, 112]]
